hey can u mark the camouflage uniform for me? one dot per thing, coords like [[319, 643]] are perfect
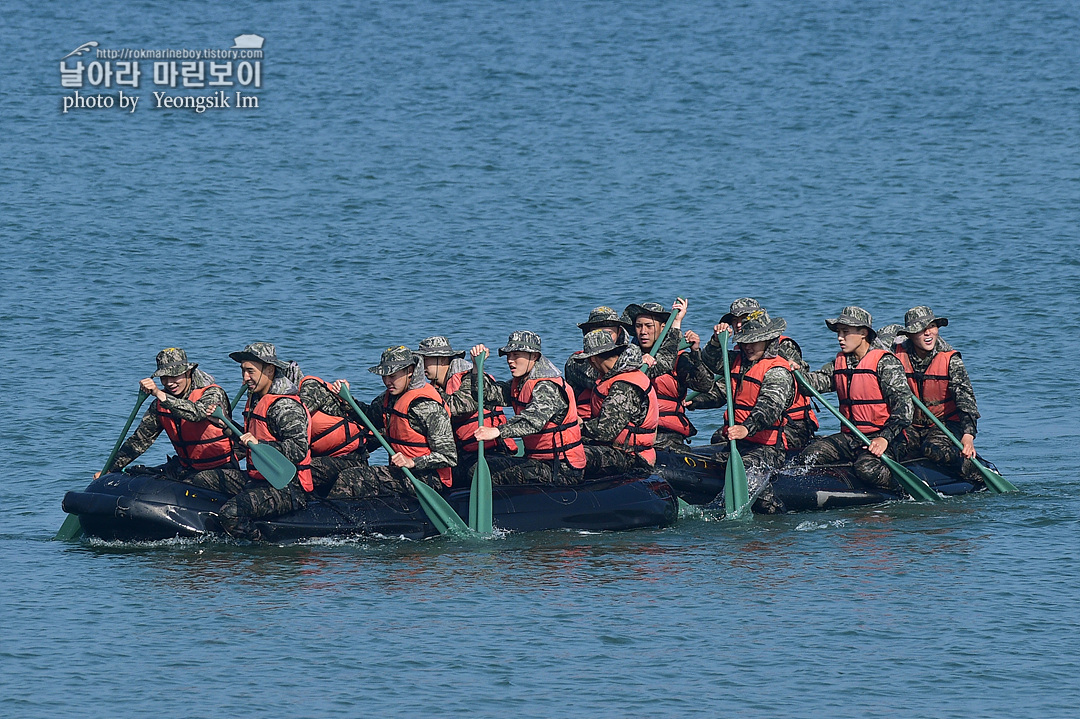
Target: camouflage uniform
[[424, 416], [923, 438], [689, 369], [325, 469], [846, 447]]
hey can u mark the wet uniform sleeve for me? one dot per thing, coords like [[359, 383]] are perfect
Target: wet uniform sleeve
[[197, 411], [712, 356], [897, 393], [141, 439], [712, 399], [791, 352], [579, 374], [287, 420], [666, 355], [777, 391], [431, 420], [624, 405], [548, 402], [823, 380], [463, 402], [960, 384], [692, 372], [317, 398]]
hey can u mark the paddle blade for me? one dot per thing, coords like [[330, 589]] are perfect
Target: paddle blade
[[911, 482], [441, 514], [994, 481], [272, 465], [70, 529], [736, 487], [480, 498]]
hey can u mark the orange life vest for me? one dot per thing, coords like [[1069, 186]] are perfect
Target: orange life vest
[[334, 436], [745, 393], [931, 386], [558, 438], [399, 431], [584, 400], [671, 401], [637, 438], [255, 423], [859, 392], [199, 445], [465, 424], [800, 409]]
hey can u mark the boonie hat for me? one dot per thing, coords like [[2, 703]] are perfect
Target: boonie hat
[[919, 318], [853, 316], [172, 361], [646, 308], [598, 342], [758, 327], [521, 341], [437, 346], [604, 317], [741, 308], [260, 352], [394, 359]]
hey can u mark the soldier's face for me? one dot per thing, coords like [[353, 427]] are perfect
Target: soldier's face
[[178, 385], [926, 339], [435, 368], [257, 376], [753, 351], [521, 363], [602, 364], [647, 330], [850, 338], [396, 383]]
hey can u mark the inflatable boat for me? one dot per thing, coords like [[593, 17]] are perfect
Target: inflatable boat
[[697, 479], [141, 504]]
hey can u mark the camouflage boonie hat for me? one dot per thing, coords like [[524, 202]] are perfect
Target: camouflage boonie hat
[[919, 318], [888, 335], [758, 327], [172, 361], [260, 352], [853, 316], [395, 359], [646, 308], [598, 342], [437, 346], [604, 317], [521, 341], [741, 308]]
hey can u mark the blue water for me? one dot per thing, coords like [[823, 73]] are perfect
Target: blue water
[[472, 168]]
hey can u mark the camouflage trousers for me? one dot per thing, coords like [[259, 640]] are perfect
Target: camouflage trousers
[[366, 481], [798, 434], [931, 443], [602, 460], [507, 469], [463, 471], [259, 500], [759, 460], [225, 480], [671, 440], [843, 447], [325, 470]]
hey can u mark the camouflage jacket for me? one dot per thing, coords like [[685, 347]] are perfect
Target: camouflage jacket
[[149, 428], [429, 419], [624, 405], [286, 419], [317, 398], [689, 366], [959, 383], [548, 403], [894, 388], [774, 398]]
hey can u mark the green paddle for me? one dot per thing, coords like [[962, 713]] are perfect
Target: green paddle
[[911, 482], [736, 487], [236, 398], [72, 528], [441, 514], [271, 464], [994, 481], [480, 492], [660, 338]]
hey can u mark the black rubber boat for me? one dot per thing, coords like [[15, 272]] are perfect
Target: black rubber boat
[[143, 505], [696, 480]]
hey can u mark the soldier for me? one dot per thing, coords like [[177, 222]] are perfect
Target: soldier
[[888, 336], [414, 419], [675, 370], [183, 410], [452, 377], [273, 415], [801, 423], [764, 392], [338, 440], [545, 417], [872, 391], [580, 375], [936, 374], [625, 411]]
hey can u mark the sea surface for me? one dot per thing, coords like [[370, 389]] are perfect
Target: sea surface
[[471, 168]]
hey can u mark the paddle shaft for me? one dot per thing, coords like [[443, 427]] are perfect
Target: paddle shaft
[[995, 483], [237, 397], [660, 338], [123, 433], [480, 511]]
